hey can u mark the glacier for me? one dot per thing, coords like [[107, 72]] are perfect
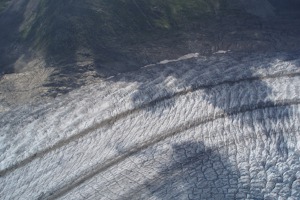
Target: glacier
[[224, 126]]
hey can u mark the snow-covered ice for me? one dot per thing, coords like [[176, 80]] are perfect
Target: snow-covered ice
[[218, 127]]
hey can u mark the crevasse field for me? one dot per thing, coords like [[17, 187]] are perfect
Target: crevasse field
[[224, 126]]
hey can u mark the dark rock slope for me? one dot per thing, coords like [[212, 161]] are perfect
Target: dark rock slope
[[48, 48]]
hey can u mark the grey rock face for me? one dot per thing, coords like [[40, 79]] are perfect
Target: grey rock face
[[260, 8]]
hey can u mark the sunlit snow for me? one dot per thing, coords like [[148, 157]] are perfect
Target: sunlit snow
[[221, 127]]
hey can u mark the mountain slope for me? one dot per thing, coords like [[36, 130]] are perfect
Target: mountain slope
[[61, 46], [149, 99]]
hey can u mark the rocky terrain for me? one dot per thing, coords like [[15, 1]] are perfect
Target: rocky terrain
[[48, 49], [149, 99]]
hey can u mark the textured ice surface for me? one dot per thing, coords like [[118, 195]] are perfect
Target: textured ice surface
[[219, 127]]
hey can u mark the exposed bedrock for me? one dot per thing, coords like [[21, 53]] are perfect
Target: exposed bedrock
[[49, 48]]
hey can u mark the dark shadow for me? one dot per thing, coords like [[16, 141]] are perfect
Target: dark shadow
[[11, 47], [291, 5], [195, 172], [109, 33]]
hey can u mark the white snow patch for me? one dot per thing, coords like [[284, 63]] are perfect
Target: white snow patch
[[222, 51], [185, 57]]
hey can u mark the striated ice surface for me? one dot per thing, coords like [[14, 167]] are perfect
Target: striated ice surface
[[218, 127]]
